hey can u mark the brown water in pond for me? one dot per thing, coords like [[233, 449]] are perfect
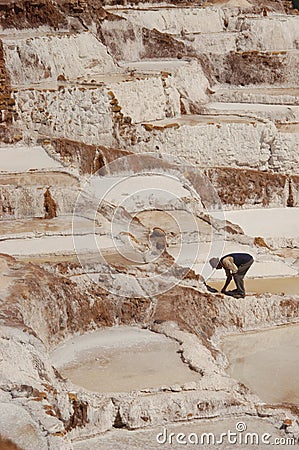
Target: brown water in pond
[[287, 285], [267, 362]]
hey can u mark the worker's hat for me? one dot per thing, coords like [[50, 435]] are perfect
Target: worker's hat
[[214, 262]]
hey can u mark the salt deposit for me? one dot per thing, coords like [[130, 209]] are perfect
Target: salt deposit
[[21, 159], [272, 222]]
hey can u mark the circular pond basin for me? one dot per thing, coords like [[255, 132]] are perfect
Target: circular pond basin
[[122, 359]]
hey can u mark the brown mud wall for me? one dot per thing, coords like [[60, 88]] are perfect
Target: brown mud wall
[[26, 14], [50, 205], [243, 187], [245, 68], [87, 158], [54, 307], [7, 103]]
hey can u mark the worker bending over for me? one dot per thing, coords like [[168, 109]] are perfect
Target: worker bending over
[[236, 265]]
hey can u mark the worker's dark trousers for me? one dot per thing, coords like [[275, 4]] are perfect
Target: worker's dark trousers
[[239, 276]]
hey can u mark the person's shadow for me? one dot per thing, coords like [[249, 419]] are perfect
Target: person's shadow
[[211, 289]]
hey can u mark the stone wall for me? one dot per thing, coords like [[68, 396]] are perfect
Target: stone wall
[[243, 187], [71, 112], [7, 102], [46, 57], [113, 34], [21, 202], [218, 43], [174, 21], [284, 152], [256, 68], [146, 99], [272, 34], [211, 143]]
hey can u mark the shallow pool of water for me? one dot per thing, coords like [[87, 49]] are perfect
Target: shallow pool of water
[[287, 285], [267, 362], [122, 359]]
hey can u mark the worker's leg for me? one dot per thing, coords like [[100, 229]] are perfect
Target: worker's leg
[[239, 281], [239, 277]]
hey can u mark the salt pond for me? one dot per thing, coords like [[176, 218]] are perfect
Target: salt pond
[[266, 222], [22, 158], [122, 359], [267, 362], [286, 285]]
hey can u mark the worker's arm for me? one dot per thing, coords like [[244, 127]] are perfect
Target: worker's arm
[[228, 280]]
